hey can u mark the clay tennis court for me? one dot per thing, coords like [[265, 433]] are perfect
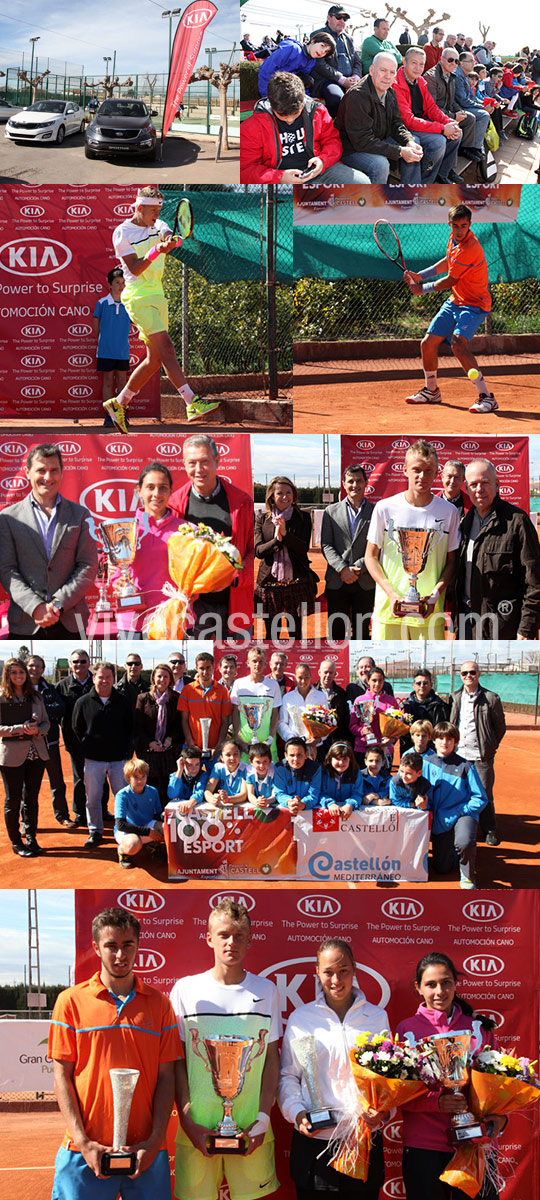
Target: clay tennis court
[[514, 863]]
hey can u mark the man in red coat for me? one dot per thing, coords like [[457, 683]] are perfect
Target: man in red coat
[[209, 499], [438, 134], [291, 139]]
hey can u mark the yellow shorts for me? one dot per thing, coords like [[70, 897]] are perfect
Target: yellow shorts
[[149, 313], [200, 1178]]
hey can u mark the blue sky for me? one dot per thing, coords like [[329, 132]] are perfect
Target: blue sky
[[56, 924], [83, 34], [151, 653]]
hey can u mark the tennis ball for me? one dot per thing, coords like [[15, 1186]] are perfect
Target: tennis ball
[[473, 373]]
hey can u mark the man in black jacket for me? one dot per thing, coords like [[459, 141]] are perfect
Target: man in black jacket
[[363, 668], [333, 76], [442, 86], [372, 132], [479, 716], [498, 574], [77, 683], [131, 684], [423, 704], [336, 699], [103, 724], [54, 707]]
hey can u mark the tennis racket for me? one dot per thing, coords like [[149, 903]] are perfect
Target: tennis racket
[[183, 219], [388, 243]]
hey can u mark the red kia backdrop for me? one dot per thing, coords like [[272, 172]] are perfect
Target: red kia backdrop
[[55, 253], [383, 458], [308, 651], [492, 938]]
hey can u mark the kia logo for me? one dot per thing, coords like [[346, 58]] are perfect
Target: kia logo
[[79, 210], [123, 210], [16, 483], [505, 467], [34, 256], [69, 447], [397, 467], [197, 18], [306, 658], [506, 490], [238, 898], [393, 1131], [470, 445], [484, 965], [437, 445], [13, 449], [406, 908], [492, 1015], [368, 467], [80, 360], [369, 489], [318, 906], [32, 210], [33, 360], [118, 448], [168, 448], [483, 910], [141, 902], [222, 449], [34, 331], [394, 1187], [295, 980], [504, 445], [111, 498], [80, 390], [33, 391], [149, 960], [365, 445], [79, 330], [400, 444]]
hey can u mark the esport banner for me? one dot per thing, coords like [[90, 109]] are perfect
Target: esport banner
[[230, 843], [309, 651], [347, 204], [382, 458], [386, 845], [55, 254], [101, 471], [493, 939]]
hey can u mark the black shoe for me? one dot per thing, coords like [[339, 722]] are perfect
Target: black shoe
[[472, 153], [454, 177], [492, 839], [443, 179], [33, 847], [22, 850], [108, 818], [93, 841]]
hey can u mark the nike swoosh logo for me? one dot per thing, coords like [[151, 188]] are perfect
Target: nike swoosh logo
[[261, 1185]]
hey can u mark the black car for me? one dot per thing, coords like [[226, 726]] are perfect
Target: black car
[[121, 127]]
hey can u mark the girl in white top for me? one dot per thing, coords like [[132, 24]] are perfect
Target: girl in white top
[[334, 1019]]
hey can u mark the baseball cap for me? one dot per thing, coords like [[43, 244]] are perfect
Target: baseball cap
[[337, 11]]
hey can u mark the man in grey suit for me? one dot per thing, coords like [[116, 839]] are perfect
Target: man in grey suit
[[48, 558], [349, 588]]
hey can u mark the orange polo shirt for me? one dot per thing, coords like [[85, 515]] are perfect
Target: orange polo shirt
[[467, 265], [88, 1029], [215, 703]]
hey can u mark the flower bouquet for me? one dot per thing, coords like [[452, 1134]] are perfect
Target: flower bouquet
[[386, 1073], [500, 1084], [319, 720], [393, 723], [200, 560]]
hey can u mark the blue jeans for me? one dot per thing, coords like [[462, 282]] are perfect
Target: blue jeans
[[375, 166], [331, 93], [95, 774], [341, 173], [438, 150], [481, 122]]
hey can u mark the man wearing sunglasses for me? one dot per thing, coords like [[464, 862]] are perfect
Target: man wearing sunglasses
[[479, 716], [177, 663], [441, 84]]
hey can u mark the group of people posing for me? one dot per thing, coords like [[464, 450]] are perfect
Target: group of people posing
[[115, 1020], [192, 742]]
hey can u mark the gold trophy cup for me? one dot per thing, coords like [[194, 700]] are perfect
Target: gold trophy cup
[[450, 1064], [415, 546], [228, 1059]]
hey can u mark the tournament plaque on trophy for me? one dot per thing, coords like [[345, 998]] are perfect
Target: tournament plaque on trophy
[[305, 1050], [450, 1065], [415, 546], [228, 1058], [118, 1161]]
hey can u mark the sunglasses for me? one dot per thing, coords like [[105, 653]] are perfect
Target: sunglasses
[[448, 59], [177, 662], [134, 664], [80, 662], [464, 673]]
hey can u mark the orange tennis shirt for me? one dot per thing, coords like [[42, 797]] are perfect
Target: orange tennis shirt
[[89, 1030], [215, 703], [467, 265]]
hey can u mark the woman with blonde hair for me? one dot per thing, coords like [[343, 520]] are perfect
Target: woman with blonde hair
[[286, 585], [158, 728], [23, 754]]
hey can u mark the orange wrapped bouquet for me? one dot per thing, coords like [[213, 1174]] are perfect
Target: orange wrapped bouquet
[[200, 560]]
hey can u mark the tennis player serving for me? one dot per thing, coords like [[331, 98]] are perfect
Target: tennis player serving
[[464, 271], [141, 244]]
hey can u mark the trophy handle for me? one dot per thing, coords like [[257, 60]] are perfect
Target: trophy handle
[[144, 525], [93, 529], [195, 1046], [260, 1047]]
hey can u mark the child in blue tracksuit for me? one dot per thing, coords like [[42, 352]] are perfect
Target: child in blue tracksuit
[[187, 783], [292, 57], [138, 816], [227, 779], [375, 777], [409, 788], [297, 780], [260, 777], [342, 784], [457, 799]]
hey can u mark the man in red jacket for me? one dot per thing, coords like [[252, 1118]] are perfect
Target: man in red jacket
[[210, 499], [291, 139], [438, 134]]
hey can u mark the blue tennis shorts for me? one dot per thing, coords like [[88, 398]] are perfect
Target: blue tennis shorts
[[73, 1180], [463, 319]]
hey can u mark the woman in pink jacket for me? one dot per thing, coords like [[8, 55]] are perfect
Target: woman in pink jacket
[[358, 726], [150, 567], [426, 1149]]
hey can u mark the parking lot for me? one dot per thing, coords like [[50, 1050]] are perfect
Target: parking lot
[[37, 164]]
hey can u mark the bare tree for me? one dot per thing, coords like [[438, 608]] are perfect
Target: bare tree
[[110, 84], [484, 30], [34, 83], [424, 27], [151, 85], [220, 80]]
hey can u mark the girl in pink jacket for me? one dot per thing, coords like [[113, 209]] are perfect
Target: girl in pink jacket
[[426, 1121]]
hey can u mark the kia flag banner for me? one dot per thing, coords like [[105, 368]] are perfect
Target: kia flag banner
[[385, 845], [492, 939], [308, 651], [186, 46]]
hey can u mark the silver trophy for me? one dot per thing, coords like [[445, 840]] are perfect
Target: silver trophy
[[205, 723], [305, 1049], [228, 1059], [415, 546], [118, 1161], [120, 539], [254, 709], [449, 1057]]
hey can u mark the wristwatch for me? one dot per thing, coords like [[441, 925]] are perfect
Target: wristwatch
[[59, 608]]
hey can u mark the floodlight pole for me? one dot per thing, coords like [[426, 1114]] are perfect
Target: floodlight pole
[[271, 203]]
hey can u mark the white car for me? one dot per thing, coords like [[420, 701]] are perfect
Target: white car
[[7, 109], [46, 121]]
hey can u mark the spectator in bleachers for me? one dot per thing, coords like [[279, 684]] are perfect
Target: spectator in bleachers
[[288, 133], [434, 48], [251, 50], [484, 54], [333, 76], [535, 67], [373, 134], [493, 92], [299, 60], [468, 44], [450, 41], [404, 38], [467, 101], [378, 41], [441, 85], [460, 42], [438, 134]]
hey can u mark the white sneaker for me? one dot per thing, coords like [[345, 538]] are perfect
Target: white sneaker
[[485, 404], [466, 881], [425, 396]]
